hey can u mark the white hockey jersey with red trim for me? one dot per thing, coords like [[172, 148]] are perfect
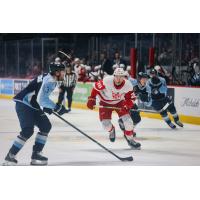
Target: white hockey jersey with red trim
[[109, 93]]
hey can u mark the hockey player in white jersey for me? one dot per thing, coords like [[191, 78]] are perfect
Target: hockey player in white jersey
[[115, 94]]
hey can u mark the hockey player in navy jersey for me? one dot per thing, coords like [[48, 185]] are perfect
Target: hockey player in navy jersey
[[157, 89], [31, 105], [139, 88]]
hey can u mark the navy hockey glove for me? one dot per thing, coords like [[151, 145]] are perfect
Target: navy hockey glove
[[60, 109], [48, 110]]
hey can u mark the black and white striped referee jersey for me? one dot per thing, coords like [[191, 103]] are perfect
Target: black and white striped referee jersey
[[70, 80]]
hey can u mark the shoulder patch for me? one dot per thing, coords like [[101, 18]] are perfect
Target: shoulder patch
[[99, 85], [39, 78]]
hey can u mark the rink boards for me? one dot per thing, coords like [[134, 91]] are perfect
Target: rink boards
[[186, 99]]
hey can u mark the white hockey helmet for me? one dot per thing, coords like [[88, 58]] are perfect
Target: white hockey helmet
[[119, 72]]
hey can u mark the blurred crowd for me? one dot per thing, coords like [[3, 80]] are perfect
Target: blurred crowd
[[106, 66], [88, 72]]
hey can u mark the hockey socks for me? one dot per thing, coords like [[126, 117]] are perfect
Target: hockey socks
[[17, 145], [40, 141]]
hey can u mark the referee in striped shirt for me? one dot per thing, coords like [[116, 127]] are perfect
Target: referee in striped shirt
[[68, 86]]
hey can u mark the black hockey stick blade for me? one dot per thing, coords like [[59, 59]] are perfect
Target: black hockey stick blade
[[130, 158]]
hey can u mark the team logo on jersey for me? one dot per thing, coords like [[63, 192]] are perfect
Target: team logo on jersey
[[155, 91], [116, 95]]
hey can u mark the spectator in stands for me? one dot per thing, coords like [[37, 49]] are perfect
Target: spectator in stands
[[162, 72], [119, 61], [80, 70], [34, 71], [105, 65], [119, 66], [195, 79], [2, 71]]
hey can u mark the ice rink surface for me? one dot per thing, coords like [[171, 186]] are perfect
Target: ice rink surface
[[66, 146]]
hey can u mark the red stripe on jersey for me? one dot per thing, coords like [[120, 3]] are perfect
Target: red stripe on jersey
[[119, 86]]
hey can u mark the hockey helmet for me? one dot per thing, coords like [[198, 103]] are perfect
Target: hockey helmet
[[53, 67], [142, 75], [119, 72], [153, 71]]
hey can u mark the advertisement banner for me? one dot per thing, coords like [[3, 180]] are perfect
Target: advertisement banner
[[19, 85], [81, 92], [187, 101], [6, 86]]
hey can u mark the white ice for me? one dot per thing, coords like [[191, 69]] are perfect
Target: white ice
[[66, 146]]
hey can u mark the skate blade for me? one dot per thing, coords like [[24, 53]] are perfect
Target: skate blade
[[172, 127], [38, 162], [135, 148], [180, 125], [8, 163]]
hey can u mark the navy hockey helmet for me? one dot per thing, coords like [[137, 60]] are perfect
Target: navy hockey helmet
[[153, 72], [142, 75], [53, 67]]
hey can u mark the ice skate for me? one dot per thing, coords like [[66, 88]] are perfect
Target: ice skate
[[171, 125], [132, 143], [10, 160], [112, 135], [38, 159], [179, 123]]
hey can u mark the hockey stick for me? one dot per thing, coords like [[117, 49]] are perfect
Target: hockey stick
[[142, 110], [116, 108], [68, 56], [130, 158]]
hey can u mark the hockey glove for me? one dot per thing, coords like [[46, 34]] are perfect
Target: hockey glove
[[135, 107], [48, 110], [127, 104], [91, 103], [60, 109]]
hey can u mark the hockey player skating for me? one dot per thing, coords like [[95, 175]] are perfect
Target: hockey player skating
[[114, 92], [28, 107], [139, 88], [157, 89]]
